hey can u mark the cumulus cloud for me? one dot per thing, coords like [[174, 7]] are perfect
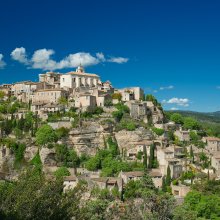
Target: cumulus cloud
[[166, 87], [19, 54], [42, 59], [174, 109], [178, 101], [118, 60], [2, 62]]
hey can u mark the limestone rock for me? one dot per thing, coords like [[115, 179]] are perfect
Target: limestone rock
[[30, 152], [47, 156]]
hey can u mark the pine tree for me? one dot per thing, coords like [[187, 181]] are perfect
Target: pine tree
[[168, 177], [151, 158]]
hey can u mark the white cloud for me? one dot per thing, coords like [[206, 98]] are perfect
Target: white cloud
[[166, 87], [19, 54], [42, 59], [101, 57], [178, 101], [174, 109], [2, 62], [119, 60]]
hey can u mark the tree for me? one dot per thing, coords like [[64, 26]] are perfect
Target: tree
[[117, 96], [191, 154], [168, 176], [45, 134], [63, 101], [177, 118], [151, 158], [93, 163], [73, 159], [2, 94], [191, 123], [164, 186], [145, 158]]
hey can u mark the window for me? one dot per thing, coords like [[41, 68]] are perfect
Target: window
[[63, 80]]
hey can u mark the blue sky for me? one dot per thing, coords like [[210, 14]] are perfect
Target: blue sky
[[169, 48]]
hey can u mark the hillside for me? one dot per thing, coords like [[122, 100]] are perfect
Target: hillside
[[210, 117]]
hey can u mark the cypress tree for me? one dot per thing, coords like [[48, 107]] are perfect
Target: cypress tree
[[168, 177], [151, 158], [164, 186], [145, 158], [191, 154]]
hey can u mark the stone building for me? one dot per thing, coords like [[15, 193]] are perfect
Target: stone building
[[212, 143], [131, 93], [69, 182], [183, 135], [49, 96], [79, 79]]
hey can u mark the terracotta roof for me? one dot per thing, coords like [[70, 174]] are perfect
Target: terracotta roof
[[100, 179], [82, 74], [212, 138], [47, 90], [134, 173], [155, 173]]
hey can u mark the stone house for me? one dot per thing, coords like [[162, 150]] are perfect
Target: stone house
[[108, 183], [132, 153], [138, 109], [69, 182], [131, 93], [156, 176], [85, 100], [180, 190], [212, 143], [50, 78], [215, 163], [182, 135], [46, 96], [166, 158], [133, 175]]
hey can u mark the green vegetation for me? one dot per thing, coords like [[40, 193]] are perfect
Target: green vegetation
[[45, 135], [158, 131], [61, 172], [201, 203]]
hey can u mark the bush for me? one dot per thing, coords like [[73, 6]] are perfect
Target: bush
[[61, 172], [158, 131]]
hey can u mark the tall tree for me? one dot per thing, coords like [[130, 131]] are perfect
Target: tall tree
[[168, 176], [164, 186], [145, 158], [151, 158]]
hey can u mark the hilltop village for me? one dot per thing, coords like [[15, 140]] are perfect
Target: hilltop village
[[76, 126]]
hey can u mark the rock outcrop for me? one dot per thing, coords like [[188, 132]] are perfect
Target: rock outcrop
[[127, 139], [90, 137]]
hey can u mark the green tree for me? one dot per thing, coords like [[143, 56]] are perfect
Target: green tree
[[164, 186], [45, 134], [177, 118], [145, 158], [191, 123], [151, 158], [168, 176]]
